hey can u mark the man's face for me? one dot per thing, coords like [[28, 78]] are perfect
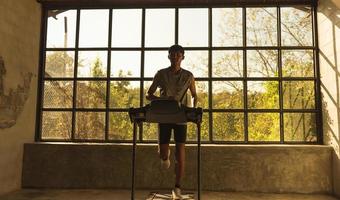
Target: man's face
[[175, 57]]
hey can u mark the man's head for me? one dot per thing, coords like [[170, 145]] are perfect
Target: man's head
[[176, 54], [176, 48]]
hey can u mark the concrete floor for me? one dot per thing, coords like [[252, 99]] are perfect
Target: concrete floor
[[48, 194]]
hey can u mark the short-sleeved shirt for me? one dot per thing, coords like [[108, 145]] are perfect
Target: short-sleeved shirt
[[174, 84]]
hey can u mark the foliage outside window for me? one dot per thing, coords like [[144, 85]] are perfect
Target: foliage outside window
[[254, 70]]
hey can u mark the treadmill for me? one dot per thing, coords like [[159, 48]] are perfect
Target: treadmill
[[166, 111]]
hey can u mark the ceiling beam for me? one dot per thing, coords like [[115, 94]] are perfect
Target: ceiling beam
[[171, 3]]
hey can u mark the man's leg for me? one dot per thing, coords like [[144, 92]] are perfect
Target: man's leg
[[180, 139], [163, 151], [180, 163], [164, 135]]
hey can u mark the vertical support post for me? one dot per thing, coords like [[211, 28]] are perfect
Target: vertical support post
[[198, 160], [133, 160]]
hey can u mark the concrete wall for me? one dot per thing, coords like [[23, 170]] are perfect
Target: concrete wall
[[269, 168], [329, 43], [19, 55]]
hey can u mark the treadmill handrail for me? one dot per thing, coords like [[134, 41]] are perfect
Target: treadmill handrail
[[166, 111]]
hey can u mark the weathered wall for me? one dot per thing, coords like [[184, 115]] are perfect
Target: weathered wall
[[269, 168], [19, 55], [329, 43]]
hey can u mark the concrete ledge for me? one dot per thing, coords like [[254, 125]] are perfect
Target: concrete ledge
[[256, 168]]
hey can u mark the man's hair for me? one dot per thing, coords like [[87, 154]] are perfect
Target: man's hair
[[175, 48]]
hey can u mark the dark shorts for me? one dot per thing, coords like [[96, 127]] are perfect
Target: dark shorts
[[164, 133]]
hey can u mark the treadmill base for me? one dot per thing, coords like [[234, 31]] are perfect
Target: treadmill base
[[168, 196]]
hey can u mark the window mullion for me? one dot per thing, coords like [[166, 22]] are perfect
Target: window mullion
[[108, 84], [74, 98], [142, 61], [210, 132], [176, 25], [245, 98], [279, 63]]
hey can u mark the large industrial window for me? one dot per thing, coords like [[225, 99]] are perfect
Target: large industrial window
[[255, 72]]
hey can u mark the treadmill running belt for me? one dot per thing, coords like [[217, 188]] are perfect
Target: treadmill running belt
[[168, 196]]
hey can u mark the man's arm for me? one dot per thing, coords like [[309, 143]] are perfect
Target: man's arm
[[150, 94], [192, 89], [155, 83]]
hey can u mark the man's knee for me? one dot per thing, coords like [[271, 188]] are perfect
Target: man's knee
[[180, 146], [180, 151], [164, 151]]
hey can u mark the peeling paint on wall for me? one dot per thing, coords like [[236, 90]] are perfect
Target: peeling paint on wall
[[12, 104]]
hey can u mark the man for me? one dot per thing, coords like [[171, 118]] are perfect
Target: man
[[173, 82]]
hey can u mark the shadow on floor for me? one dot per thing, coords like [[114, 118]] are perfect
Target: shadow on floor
[[76, 194]]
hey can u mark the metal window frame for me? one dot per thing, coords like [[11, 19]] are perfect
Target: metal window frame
[[210, 79]]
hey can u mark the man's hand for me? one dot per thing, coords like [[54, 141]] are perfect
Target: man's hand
[[152, 97]]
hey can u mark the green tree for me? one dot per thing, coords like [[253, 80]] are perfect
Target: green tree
[[57, 94], [296, 26], [122, 95]]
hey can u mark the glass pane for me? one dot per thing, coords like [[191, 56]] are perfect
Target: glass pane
[[227, 63], [297, 63], [126, 27], [92, 63], [91, 94], [262, 63], [264, 126], [227, 94], [61, 28], [261, 27], [191, 33], [192, 129], [154, 61], [90, 125], [296, 26], [202, 90], [196, 62], [124, 94], [300, 127], [159, 27], [56, 125], [298, 95], [120, 126], [150, 131], [94, 27], [125, 63], [59, 64], [228, 126], [58, 94], [227, 27], [263, 94]]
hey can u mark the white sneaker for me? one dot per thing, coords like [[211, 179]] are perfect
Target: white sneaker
[[165, 164], [177, 193]]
